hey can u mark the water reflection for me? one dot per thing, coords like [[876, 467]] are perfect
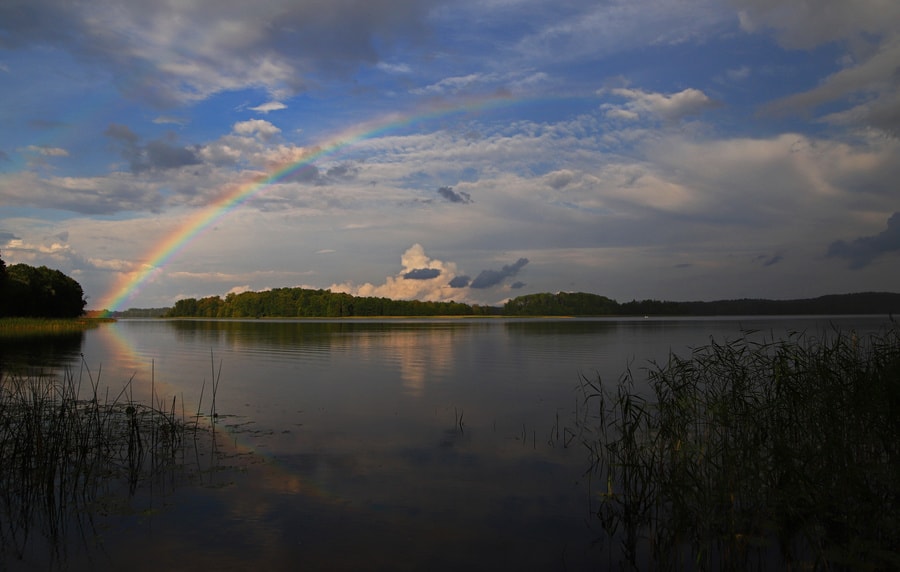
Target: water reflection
[[24, 353], [401, 444]]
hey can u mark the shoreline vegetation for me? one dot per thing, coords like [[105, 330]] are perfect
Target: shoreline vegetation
[[72, 455], [309, 303], [21, 327], [751, 455]]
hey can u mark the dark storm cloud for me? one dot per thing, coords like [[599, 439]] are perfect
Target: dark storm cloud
[[863, 250], [7, 236], [157, 154], [455, 197], [422, 274], [488, 278], [517, 285], [459, 282]]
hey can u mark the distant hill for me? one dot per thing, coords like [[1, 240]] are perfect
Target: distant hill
[[300, 302]]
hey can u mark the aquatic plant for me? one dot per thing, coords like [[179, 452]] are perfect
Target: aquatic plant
[[749, 454], [63, 445], [19, 327]]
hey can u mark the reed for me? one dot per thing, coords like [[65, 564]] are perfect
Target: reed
[[752, 455], [17, 327], [62, 441]]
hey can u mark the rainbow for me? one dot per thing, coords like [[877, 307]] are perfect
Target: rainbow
[[170, 246]]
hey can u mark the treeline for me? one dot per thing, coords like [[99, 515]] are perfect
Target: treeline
[[561, 304], [38, 292], [135, 313], [858, 303], [307, 303], [581, 304]]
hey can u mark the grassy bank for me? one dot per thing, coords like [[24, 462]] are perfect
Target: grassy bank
[[19, 327], [753, 454]]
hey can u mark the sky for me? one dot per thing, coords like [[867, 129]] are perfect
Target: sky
[[466, 150]]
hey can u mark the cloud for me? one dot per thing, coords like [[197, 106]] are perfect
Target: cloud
[[488, 278], [121, 133], [453, 196], [422, 274], [162, 155], [801, 24], [670, 107], [422, 278], [876, 81], [256, 127], [768, 260], [773, 260], [559, 179], [426, 278], [157, 154], [860, 252], [47, 151], [573, 30], [169, 120], [869, 81], [459, 282], [456, 84], [112, 193], [270, 106], [171, 53], [738, 74], [394, 68]]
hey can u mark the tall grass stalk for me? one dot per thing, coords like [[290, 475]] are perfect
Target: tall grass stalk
[[751, 454], [58, 449]]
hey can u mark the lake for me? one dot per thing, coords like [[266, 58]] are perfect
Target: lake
[[400, 444]]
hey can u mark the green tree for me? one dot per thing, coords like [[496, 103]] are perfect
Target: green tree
[[41, 293]]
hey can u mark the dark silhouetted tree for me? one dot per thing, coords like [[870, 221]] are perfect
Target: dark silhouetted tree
[[41, 293]]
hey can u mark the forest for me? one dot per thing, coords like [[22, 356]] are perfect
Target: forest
[[310, 303], [38, 292]]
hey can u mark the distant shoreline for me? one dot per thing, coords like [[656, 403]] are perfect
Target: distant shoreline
[[270, 304]]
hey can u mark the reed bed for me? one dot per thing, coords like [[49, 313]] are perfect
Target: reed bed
[[63, 444], [753, 454], [16, 327]]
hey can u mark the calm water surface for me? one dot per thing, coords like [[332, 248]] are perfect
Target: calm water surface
[[394, 444]]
